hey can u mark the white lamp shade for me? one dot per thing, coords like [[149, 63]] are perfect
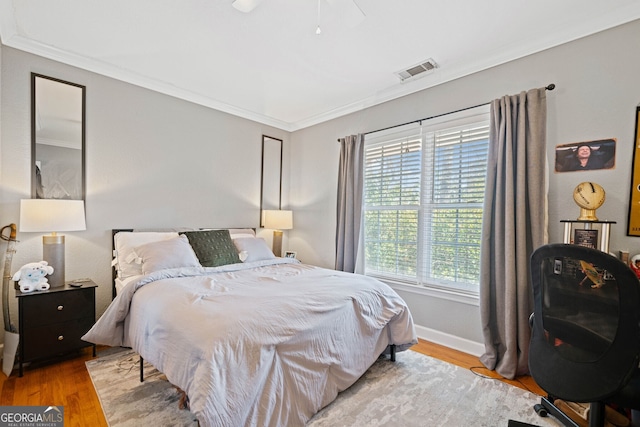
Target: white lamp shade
[[278, 220], [51, 215]]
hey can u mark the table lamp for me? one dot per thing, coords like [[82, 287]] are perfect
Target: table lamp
[[278, 220], [52, 215]]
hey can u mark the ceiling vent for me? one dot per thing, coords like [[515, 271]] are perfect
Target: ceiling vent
[[418, 70]]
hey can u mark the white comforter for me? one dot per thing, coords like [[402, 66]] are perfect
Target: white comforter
[[257, 344]]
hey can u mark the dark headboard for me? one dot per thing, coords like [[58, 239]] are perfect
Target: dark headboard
[[114, 273]]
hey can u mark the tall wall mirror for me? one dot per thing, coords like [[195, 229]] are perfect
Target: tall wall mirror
[[57, 139], [271, 186]]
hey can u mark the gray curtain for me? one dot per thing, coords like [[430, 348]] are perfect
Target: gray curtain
[[514, 224], [350, 189]]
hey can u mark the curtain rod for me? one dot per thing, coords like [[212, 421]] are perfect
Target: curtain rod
[[550, 86]]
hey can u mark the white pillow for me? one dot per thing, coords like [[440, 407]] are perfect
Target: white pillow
[[236, 233], [255, 247], [241, 235], [171, 253], [124, 244]]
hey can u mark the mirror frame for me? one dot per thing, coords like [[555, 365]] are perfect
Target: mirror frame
[[34, 76], [271, 167]]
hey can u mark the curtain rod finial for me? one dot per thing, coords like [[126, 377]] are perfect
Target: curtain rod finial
[[552, 86]]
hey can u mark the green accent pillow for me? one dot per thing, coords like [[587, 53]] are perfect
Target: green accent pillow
[[213, 247]]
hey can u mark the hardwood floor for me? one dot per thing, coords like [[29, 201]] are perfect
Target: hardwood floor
[[67, 383], [468, 361], [63, 383]]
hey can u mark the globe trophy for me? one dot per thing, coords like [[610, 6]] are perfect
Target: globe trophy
[[589, 196]]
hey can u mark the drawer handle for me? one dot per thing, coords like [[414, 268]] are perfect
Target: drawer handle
[[60, 338], [60, 307]]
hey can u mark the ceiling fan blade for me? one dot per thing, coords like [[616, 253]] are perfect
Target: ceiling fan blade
[[246, 6], [349, 10]]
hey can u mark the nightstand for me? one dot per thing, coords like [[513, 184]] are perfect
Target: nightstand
[[52, 321]]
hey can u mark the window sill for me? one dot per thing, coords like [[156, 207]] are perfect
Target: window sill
[[448, 294]]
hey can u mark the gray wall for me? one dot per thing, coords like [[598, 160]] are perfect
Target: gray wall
[[598, 88], [153, 160]]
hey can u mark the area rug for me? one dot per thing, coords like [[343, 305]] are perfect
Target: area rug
[[416, 390], [127, 402]]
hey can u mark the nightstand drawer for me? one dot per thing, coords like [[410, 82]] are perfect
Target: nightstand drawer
[[55, 339], [46, 309]]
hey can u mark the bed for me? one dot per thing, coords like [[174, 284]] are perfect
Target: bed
[[252, 339]]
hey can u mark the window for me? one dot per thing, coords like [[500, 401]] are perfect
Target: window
[[423, 195]]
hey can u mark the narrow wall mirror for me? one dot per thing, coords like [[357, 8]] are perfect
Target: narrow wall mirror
[[57, 139], [271, 186]]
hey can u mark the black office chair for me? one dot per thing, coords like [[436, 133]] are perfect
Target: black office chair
[[585, 342]]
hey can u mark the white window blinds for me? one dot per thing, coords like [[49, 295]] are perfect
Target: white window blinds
[[424, 190], [392, 176]]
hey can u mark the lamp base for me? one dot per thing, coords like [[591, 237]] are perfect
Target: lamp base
[[277, 243], [53, 254]]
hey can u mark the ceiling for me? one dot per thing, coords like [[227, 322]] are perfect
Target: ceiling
[[269, 65]]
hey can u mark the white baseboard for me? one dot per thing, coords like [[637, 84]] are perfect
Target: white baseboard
[[451, 341]]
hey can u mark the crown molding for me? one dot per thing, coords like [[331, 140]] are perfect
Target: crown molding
[[102, 68], [449, 72], [461, 69]]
